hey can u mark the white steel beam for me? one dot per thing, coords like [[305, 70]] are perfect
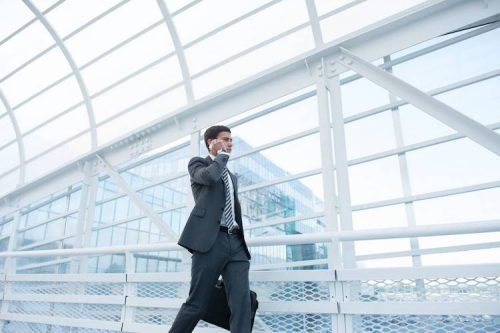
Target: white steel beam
[[314, 21], [178, 49], [136, 199], [403, 168], [82, 213], [432, 106], [341, 167], [19, 137]]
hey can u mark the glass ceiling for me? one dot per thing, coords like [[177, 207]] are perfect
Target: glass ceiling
[[76, 74]]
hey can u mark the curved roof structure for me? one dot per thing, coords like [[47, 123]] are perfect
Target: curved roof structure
[[76, 75]]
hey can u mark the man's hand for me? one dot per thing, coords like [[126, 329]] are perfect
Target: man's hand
[[216, 145]]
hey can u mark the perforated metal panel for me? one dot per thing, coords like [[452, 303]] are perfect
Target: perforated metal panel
[[159, 316], [68, 288], [291, 290], [162, 290], [22, 327], [68, 310], [485, 289], [425, 324], [293, 322]]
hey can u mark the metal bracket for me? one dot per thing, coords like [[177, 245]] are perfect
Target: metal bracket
[[140, 146]]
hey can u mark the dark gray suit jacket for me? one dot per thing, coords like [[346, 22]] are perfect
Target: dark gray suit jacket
[[209, 193]]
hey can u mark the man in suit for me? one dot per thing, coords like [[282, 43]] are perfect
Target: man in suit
[[214, 235]]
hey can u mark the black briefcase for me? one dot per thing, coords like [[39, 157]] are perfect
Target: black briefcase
[[218, 312]]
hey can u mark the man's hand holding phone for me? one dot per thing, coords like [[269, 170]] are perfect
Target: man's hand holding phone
[[217, 146]]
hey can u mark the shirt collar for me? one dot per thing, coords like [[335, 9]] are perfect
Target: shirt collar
[[211, 156]]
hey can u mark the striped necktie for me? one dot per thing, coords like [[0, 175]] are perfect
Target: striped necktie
[[228, 209]]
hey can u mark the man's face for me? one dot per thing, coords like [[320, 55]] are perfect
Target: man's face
[[226, 138]]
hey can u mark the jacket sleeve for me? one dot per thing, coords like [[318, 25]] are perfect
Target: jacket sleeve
[[207, 175]]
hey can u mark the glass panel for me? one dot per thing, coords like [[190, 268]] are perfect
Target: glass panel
[[360, 16], [251, 63], [52, 102], [294, 198], [105, 213], [57, 157], [265, 257], [112, 29], [30, 236], [381, 246], [375, 181], [450, 165], [325, 6], [6, 225], [292, 119], [167, 261], [44, 4], [36, 76], [480, 101], [70, 226], [113, 263], [146, 84], [9, 157], [453, 63], [55, 229], [382, 217], [466, 207], [72, 14], [56, 131], [413, 123], [163, 166], [13, 15], [277, 162], [9, 181], [23, 46], [166, 195], [106, 188], [463, 258], [362, 95], [74, 201], [128, 59], [390, 262], [284, 15], [290, 228], [7, 130], [457, 240], [174, 5], [211, 14], [370, 135], [141, 115], [175, 219]]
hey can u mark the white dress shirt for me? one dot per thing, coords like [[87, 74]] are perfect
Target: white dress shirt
[[231, 191]]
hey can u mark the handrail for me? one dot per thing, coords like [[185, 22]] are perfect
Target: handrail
[[323, 237]]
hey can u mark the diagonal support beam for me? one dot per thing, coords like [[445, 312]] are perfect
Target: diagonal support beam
[[136, 199], [430, 105]]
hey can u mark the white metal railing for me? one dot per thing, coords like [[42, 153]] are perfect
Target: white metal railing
[[291, 300], [323, 237]]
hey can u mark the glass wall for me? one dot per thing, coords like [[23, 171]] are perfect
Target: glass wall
[[407, 168]]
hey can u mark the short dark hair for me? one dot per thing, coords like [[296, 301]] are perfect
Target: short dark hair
[[213, 132]]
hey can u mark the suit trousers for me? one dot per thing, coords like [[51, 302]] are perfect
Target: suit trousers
[[227, 257]]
